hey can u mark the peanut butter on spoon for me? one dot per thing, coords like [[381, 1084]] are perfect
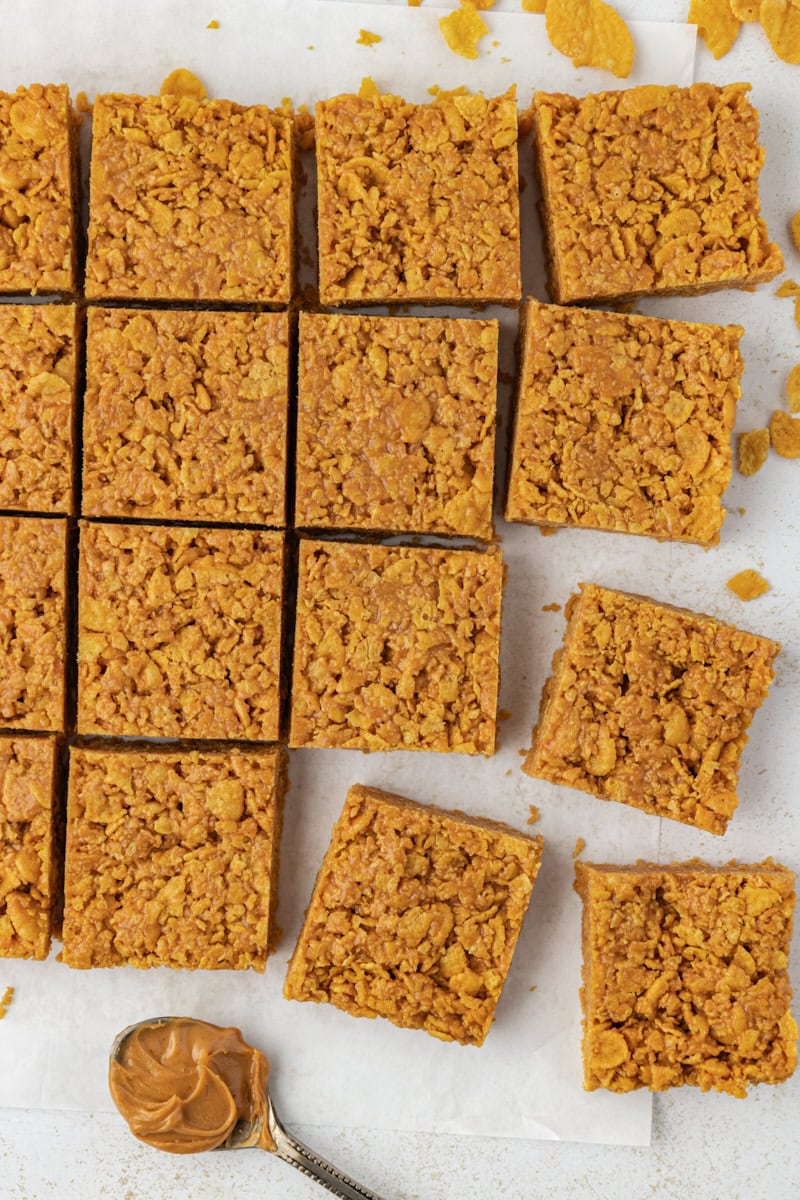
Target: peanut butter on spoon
[[185, 1085]]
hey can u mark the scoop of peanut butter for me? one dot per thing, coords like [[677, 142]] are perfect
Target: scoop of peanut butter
[[184, 1085]]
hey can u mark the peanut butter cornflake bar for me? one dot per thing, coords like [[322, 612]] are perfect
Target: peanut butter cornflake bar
[[415, 915], [649, 705], [623, 423], [685, 976], [27, 845], [653, 190]]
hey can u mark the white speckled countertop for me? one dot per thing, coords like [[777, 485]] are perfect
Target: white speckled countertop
[[706, 1147]]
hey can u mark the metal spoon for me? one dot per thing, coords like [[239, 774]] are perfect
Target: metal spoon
[[276, 1139]]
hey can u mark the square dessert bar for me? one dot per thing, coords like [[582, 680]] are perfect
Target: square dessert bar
[[185, 415], [415, 915], [27, 850], [172, 857], [685, 977], [651, 190], [190, 200], [33, 589], [396, 422], [649, 705], [396, 648], [38, 190], [418, 203], [623, 423], [38, 351], [179, 631]]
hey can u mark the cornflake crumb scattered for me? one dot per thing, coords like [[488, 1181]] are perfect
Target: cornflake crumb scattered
[[212, 25], [788, 288], [716, 24], [5, 1001], [741, 511], [369, 89], [752, 449], [535, 814], [503, 715], [747, 585], [795, 228], [580, 846], [793, 389], [82, 103], [532, 988], [183, 83], [365, 38], [592, 34], [548, 530], [784, 432], [551, 608], [462, 29]]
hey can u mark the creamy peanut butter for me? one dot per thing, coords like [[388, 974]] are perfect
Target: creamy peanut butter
[[184, 1085]]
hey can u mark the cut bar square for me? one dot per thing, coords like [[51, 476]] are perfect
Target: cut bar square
[[190, 200], [623, 423], [396, 648], [33, 587], [649, 705], [179, 631], [185, 415], [38, 350], [38, 190], [172, 857], [685, 976], [396, 424], [27, 845], [418, 203], [653, 190], [414, 916]]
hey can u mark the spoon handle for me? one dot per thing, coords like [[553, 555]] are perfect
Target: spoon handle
[[292, 1151]]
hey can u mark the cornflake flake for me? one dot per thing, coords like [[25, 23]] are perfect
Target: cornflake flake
[[592, 34]]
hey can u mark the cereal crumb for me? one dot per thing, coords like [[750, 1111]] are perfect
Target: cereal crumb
[[592, 34], [212, 25], [741, 511], [183, 83], [503, 715], [365, 38], [793, 389], [716, 24], [414, 3], [5, 1001], [82, 103], [784, 433], [508, 772], [747, 585], [535, 814], [548, 530], [369, 89], [795, 228], [788, 288], [580, 846], [551, 607], [532, 988], [751, 451], [462, 29]]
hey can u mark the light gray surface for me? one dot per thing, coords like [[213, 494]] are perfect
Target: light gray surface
[[707, 1147]]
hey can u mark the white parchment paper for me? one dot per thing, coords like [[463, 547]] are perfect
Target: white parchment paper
[[328, 1067]]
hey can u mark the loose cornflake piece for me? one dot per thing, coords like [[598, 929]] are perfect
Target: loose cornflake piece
[[795, 228], [784, 432], [179, 631], [182, 82], [788, 288], [415, 915], [748, 585], [752, 449], [623, 423], [38, 353], [418, 203], [592, 34], [395, 424], [190, 200], [33, 622], [38, 190], [396, 648], [653, 190], [462, 29], [27, 845], [716, 23], [685, 975], [172, 857], [365, 38], [185, 415], [780, 20], [793, 389], [649, 705]]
